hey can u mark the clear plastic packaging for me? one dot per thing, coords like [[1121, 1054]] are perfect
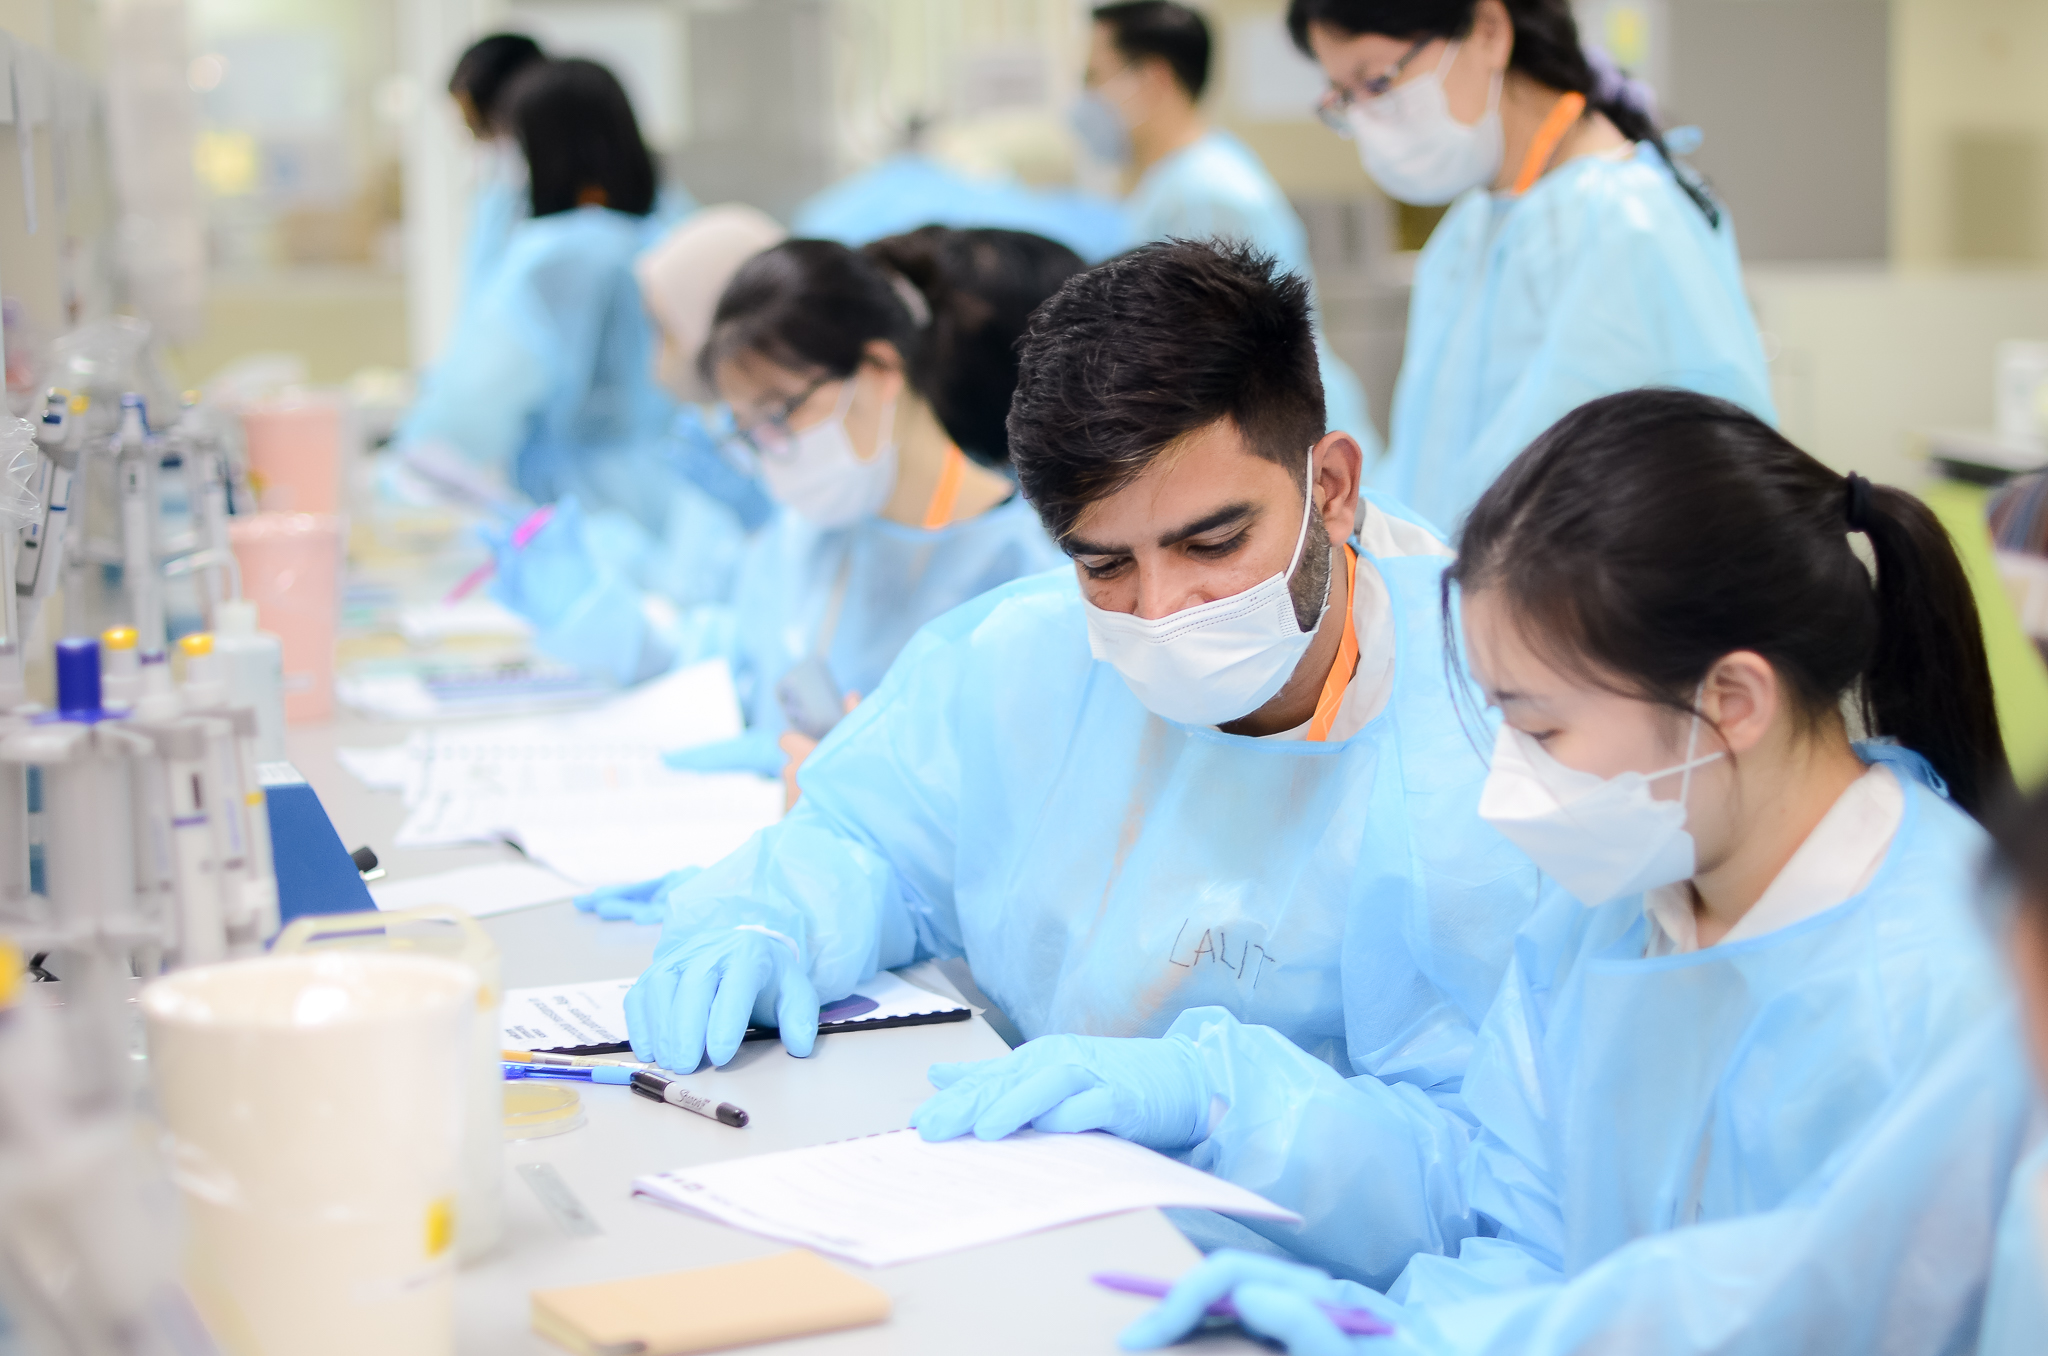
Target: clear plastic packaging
[[19, 460]]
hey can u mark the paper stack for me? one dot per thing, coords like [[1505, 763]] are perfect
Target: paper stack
[[586, 792]]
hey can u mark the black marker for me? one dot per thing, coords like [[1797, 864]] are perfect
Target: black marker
[[659, 1087]]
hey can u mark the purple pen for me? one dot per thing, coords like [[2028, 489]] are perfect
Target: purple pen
[[575, 1073], [1351, 1322]]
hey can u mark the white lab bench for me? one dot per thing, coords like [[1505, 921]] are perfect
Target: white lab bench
[[1027, 1295]]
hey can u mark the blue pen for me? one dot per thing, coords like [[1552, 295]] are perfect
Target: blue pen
[[584, 1073]]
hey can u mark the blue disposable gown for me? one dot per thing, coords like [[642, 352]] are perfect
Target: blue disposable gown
[[1603, 277], [897, 579], [1216, 188], [546, 382], [1883, 1252], [501, 200], [1003, 797], [1613, 1097], [2016, 1310], [910, 190], [781, 584]]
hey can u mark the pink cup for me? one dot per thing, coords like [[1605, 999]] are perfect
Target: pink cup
[[291, 570], [295, 453]]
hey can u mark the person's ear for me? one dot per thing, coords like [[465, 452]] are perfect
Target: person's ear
[[1340, 470], [885, 362], [1741, 699], [1492, 39]]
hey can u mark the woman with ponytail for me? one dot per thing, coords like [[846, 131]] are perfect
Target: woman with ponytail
[[1579, 257], [1762, 932]]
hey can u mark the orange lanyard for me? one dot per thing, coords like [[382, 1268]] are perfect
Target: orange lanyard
[[1563, 114], [946, 494], [1347, 657]]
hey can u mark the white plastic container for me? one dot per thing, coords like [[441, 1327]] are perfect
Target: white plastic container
[[314, 1105], [2022, 394], [447, 933], [254, 664]]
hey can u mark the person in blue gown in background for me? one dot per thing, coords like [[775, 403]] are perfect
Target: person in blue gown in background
[[545, 388], [913, 188], [869, 389], [1766, 936], [1148, 64], [499, 199], [595, 583], [1578, 257]]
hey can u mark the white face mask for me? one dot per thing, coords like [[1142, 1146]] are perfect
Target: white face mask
[[820, 477], [1211, 664], [1416, 151], [1599, 837]]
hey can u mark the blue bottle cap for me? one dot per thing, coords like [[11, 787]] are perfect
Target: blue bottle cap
[[78, 679]]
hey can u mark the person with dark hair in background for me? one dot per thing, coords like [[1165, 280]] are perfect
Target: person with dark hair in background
[[545, 388], [1769, 936], [1148, 64], [868, 388], [1579, 257], [597, 585], [1217, 764], [499, 200]]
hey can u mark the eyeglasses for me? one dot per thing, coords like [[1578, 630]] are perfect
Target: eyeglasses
[[1334, 108], [770, 434]]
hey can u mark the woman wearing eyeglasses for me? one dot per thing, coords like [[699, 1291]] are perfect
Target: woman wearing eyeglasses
[[1579, 257], [869, 390]]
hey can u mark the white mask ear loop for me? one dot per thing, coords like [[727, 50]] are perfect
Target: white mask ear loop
[[1692, 741]]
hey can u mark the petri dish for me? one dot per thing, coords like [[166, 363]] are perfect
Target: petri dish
[[537, 1110]]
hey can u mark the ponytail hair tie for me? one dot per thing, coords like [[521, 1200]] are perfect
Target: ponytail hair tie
[[1856, 503], [912, 298]]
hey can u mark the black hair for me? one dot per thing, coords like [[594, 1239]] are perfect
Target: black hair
[[484, 67], [1175, 34], [1646, 535], [952, 302], [576, 128], [1130, 357], [1547, 50]]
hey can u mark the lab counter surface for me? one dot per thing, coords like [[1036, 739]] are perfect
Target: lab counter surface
[[1030, 1294]]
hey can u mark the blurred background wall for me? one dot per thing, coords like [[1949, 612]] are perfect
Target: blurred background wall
[[1886, 162]]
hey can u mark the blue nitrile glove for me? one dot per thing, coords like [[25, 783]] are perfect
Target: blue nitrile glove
[[551, 574], [700, 997], [1151, 1092], [644, 901], [756, 751], [1275, 1299]]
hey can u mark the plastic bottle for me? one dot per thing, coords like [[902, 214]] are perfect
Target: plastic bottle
[[253, 661], [120, 667]]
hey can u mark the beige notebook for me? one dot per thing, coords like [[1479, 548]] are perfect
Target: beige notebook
[[787, 1295]]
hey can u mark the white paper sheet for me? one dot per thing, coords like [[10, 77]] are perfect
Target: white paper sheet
[[894, 1198], [498, 887], [562, 1016], [381, 769], [585, 793], [472, 618], [655, 833]]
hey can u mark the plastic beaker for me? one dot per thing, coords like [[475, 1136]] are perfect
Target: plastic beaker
[[449, 934], [294, 447], [291, 570], [314, 1106]]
